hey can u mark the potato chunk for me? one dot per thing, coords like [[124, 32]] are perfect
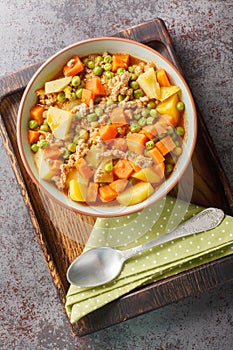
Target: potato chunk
[[59, 122], [135, 194]]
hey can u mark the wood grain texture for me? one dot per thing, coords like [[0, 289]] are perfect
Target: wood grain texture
[[62, 240]]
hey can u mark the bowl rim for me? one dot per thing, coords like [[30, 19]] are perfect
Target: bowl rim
[[128, 209]]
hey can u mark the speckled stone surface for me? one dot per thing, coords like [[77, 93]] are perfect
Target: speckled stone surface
[[31, 316]]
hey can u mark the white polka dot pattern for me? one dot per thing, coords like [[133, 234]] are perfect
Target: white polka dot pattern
[[156, 263]]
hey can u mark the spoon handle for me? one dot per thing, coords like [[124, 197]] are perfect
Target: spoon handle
[[205, 220]]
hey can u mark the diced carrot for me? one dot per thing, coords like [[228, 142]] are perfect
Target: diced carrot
[[92, 192], [73, 66], [107, 194], [149, 130], [168, 119], [119, 185], [108, 132], [136, 142], [136, 168], [156, 155], [165, 145], [119, 61], [160, 127], [88, 97], [123, 169], [52, 152], [33, 136], [55, 166], [95, 85], [159, 169], [118, 143], [117, 116], [36, 113], [83, 168], [162, 78]]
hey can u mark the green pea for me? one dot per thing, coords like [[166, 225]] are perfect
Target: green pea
[[44, 127], [149, 120], [67, 91], [134, 85], [34, 147], [98, 59], [107, 59], [42, 143], [131, 69], [109, 102], [120, 70], [177, 151], [153, 113], [75, 139], [91, 64], [97, 99], [138, 93], [180, 106], [66, 154], [85, 61], [170, 129], [32, 124], [78, 115], [155, 139], [102, 184], [142, 121], [72, 96], [71, 147], [99, 111], [162, 135], [92, 117], [121, 98], [137, 116], [132, 181], [168, 168], [145, 112], [134, 76], [83, 134], [61, 97], [150, 144], [107, 66], [145, 152], [45, 122], [79, 93], [82, 83], [135, 127], [180, 130], [75, 80], [151, 105], [94, 124], [108, 167], [109, 75], [170, 159], [97, 71]]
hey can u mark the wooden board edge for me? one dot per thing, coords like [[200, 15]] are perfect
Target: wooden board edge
[[220, 272]]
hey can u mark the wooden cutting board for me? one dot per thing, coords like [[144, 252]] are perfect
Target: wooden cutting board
[[63, 240]]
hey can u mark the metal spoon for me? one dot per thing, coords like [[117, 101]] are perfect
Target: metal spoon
[[100, 265]]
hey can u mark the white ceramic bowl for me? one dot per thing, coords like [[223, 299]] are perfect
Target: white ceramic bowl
[[98, 45]]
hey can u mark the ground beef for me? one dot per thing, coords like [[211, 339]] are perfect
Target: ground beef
[[119, 85]]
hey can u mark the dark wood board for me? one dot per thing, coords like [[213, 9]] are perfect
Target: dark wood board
[[62, 241]]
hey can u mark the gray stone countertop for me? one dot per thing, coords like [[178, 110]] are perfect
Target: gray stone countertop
[[31, 315]]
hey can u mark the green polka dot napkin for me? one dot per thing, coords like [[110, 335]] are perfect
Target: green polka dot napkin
[[155, 263]]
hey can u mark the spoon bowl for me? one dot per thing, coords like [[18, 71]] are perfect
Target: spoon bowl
[[95, 266], [101, 265]]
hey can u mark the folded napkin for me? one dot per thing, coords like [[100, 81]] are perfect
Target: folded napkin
[[153, 264]]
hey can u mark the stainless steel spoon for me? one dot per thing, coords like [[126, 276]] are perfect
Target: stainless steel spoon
[[101, 265]]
